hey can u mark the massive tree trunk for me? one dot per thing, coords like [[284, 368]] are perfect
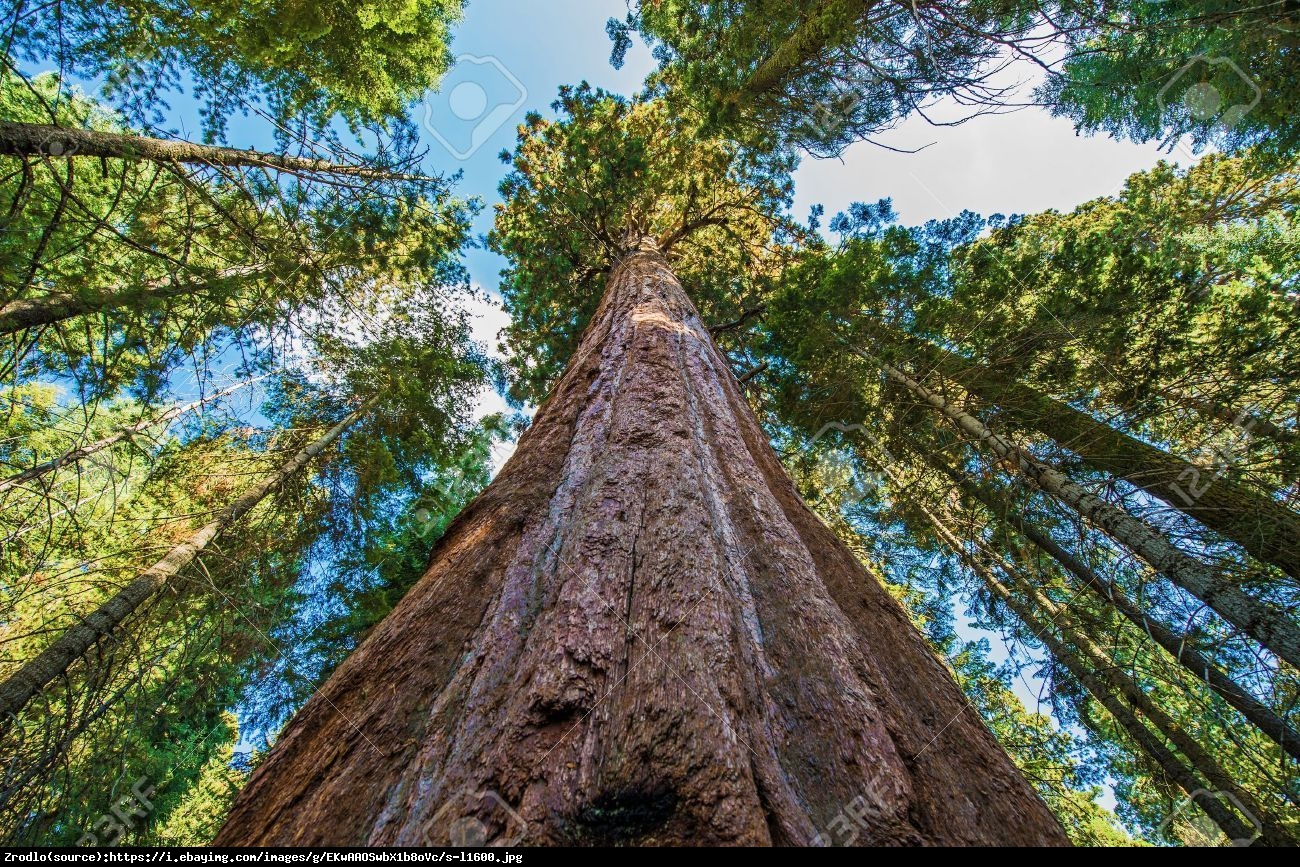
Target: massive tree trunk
[[1266, 623], [20, 687], [1262, 526], [639, 634]]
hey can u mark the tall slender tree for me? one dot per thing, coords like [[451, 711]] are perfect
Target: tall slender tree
[[1266, 623], [81, 452], [1045, 618], [1179, 645], [115, 267], [1261, 525]]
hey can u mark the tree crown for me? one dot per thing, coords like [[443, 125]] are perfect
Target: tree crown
[[613, 173]]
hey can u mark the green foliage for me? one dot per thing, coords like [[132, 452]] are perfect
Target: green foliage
[[359, 288], [364, 61], [824, 74], [351, 288], [199, 259], [198, 812], [148, 701], [1217, 71], [1179, 288], [606, 175], [1048, 757], [1184, 269]]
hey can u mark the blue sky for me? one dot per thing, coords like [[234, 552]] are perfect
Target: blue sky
[[1014, 163], [519, 51]]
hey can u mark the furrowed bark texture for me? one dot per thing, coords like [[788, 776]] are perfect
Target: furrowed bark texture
[[638, 634]]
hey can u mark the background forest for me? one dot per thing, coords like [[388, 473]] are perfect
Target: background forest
[[246, 389]]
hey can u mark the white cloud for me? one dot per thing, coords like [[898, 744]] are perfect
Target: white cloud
[[1016, 163], [487, 319]]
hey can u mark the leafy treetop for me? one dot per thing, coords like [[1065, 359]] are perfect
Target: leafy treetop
[[614, 173], [365, 61]]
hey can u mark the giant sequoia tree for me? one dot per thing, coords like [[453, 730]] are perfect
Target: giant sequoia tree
[[639, 633]]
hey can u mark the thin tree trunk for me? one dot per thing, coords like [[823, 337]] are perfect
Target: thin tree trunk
[[640, 634], [57, 306], [82, 452], [1232, 825], [39, 140], [1262, 526], [1104, 681], [1274, 726], [1100, 663], [19, 688], [1266, 624]]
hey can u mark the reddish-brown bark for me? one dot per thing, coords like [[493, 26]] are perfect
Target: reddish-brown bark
[[639, 634]]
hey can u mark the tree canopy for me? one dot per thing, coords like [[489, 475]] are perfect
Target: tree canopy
[[591, 185], [364, 62]]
